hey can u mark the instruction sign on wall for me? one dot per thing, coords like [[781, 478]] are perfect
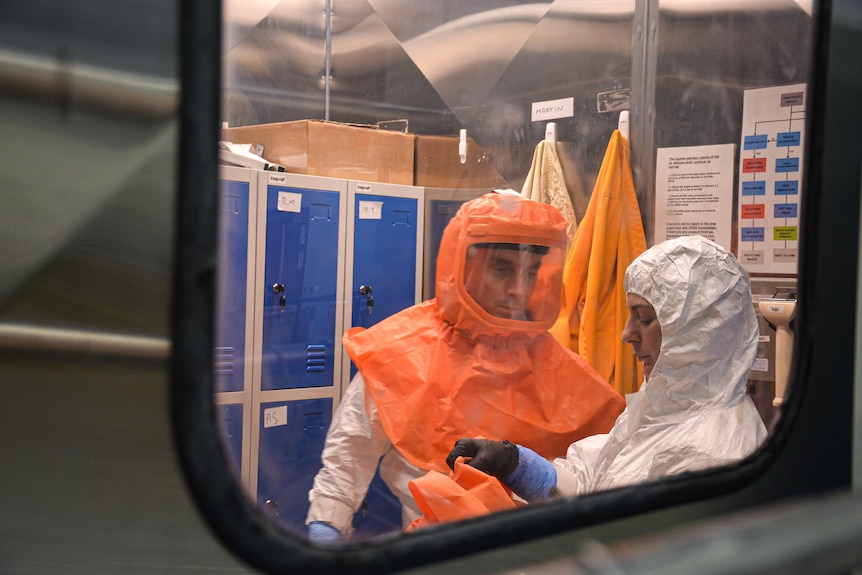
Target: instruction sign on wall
[[694, 192]]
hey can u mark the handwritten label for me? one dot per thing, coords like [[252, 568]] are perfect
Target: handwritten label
[[552, 109], [369, 210], [275, 416], [289, 202]]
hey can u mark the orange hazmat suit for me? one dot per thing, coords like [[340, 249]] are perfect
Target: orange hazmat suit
[[446, 368]]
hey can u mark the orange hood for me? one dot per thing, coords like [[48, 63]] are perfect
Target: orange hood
[[499, 218]]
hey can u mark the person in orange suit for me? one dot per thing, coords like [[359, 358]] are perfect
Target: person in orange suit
[[475, 361]]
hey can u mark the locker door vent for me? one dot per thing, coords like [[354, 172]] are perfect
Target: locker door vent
[[224, 358], [315, 359]]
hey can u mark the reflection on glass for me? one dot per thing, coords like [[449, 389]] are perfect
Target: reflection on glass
[[303, 259]]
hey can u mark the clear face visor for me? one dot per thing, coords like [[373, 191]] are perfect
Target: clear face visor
[[513, 281]]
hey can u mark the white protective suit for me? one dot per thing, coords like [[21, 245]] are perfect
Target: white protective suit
[[357, 432], [692, 412]]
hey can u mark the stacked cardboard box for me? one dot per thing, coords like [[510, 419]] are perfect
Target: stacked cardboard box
[[361, 152], [332, 149], [438, 165]]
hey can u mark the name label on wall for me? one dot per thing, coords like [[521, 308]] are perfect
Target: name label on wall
[[553, 109]]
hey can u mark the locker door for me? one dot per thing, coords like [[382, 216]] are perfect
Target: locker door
[[230, 423], [385, 232], [440, 205], [231, 280], [299, 288], [384, 256], [291, 439]]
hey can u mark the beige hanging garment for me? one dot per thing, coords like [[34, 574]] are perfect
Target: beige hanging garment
[[545, 184]]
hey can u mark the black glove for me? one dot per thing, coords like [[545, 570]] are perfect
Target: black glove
[[497, 458]]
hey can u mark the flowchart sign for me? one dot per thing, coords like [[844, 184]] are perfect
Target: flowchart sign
[[770, 178]]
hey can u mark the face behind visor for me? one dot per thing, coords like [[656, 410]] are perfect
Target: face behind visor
[[499, 270], [501, 277]]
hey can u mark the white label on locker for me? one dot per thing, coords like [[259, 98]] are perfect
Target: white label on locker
[[760, 364], [289, 202], [275, 416], [369, 210]]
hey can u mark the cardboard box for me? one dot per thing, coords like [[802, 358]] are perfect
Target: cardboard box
[[321, 148], [439, 166]]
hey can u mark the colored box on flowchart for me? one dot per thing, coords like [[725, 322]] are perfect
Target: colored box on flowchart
[[783, 165], [756, 188], [752, 234], [755, 142], [752, 211], [787, 188], [786, 139], [753, 165], [785, 233], [789, 99], [786, 210]]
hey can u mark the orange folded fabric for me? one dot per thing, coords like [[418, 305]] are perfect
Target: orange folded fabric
[[466, 492]]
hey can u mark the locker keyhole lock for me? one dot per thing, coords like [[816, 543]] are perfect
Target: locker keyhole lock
[[279, 288], [369, 301], [272, 507]]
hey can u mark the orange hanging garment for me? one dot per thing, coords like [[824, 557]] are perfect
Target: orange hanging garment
[[609, 237]]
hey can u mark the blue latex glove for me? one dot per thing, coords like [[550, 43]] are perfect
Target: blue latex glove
[[533, 478], [320, 532]]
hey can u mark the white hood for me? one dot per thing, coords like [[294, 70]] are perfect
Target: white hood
[[702, 298]]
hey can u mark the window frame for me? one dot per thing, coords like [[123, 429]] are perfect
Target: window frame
[[259, 541]]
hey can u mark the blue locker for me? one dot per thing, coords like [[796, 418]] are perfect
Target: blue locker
[[229, 419], [231, 278], [440, 206], [384, 257], [299, 288], [384, 268], [291, 440]]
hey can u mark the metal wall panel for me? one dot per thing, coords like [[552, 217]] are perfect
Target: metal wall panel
[[441, 65], [446, 66]]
